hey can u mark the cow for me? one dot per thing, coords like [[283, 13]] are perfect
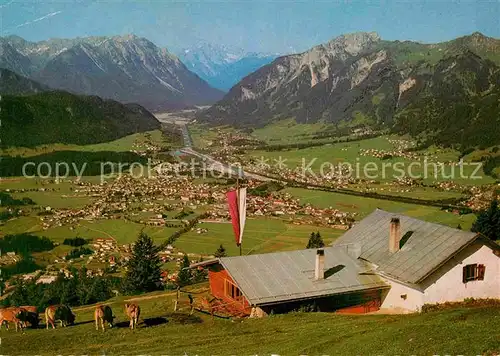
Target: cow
[[102, 315], [31, 315], [14, 315], [59, 312], [133, 311]]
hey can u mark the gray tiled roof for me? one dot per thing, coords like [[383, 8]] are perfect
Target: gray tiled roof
[[286, 276], [426, 249]]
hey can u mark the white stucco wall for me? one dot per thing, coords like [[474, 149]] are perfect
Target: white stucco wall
[[395, 297], [446, 284]]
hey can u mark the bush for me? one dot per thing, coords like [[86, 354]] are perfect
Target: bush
[[7, 200], [467, 302], [25, 243], [26, 265], [75, 241], [77, 252]]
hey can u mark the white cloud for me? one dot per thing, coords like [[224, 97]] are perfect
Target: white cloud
[[39, 19], [6, 4]]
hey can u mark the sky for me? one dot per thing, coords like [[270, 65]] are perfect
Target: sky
[[257, 26]]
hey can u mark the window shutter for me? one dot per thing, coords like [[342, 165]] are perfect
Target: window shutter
[[480, 272], [464, 274]]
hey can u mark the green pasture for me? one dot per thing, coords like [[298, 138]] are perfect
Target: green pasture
[[288, 131], [123, 231], [260, 236], [202, 135], [120, 145], [458, 331], [363, 206], [419, 192], [320, 160]]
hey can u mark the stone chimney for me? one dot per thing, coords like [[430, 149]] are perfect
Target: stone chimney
[[319, 270], [394, 235]]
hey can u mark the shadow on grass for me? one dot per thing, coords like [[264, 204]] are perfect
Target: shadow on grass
[[182, 318], [58, 325], [154, 321], [82, 322], [175, 318]]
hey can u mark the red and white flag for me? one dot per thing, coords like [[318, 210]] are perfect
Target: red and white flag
[[237, 203]]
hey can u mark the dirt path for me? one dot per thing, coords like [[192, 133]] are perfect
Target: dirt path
[[97, 230], [134, 299]]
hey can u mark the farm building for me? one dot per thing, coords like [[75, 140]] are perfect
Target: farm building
[[425, 263], [386, 261]]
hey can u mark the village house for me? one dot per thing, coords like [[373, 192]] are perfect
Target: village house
[[386, 261]]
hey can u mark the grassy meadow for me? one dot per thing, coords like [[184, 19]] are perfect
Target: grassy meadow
[[260, 236], [363, 206], [350, 152], [273, 133], [123, 144], [464, 331]]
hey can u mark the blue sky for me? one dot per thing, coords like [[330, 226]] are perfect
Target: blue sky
[[267, 26]]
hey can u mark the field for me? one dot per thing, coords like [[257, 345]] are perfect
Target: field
[[323, 157], [123, 144], [260, 236], [203, 135], [295, 133], [364, 206], [464, 331]]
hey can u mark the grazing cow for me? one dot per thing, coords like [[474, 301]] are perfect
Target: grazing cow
[[59, 312], [31, 315], [14, 315], [102, 315], [133, 311]]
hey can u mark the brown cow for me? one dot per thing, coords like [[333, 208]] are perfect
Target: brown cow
[[102, 315], [14, 315], [59, 312], [133, 311], [32, 315]]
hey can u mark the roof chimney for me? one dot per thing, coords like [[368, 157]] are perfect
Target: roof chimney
[[319, 270], [394, 235]]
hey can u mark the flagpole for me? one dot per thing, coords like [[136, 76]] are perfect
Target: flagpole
[[238, 196]]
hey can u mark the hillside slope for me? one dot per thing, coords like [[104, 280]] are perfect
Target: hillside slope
[[14, 84], [460, 331], [61, 117], [360, 80]]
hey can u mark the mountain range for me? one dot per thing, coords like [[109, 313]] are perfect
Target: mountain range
[[223, 66], [447, 93], [124, 68]]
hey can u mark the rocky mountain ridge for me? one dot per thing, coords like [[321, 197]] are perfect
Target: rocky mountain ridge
[[124, 68], [360, 80]]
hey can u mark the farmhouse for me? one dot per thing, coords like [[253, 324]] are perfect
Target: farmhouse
[[425, 263], [387, 261]]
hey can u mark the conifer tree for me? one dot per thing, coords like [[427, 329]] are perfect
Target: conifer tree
[[488, 222], [315, 241], [144, 272], [221, 252], [184, 276]]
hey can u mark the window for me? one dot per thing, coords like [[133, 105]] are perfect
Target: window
[[473, 272], [232, 291]]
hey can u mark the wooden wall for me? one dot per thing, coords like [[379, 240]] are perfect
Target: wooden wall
[[219, 278]]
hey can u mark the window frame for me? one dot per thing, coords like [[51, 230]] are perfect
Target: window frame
[[473, 272], [232, 291]]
